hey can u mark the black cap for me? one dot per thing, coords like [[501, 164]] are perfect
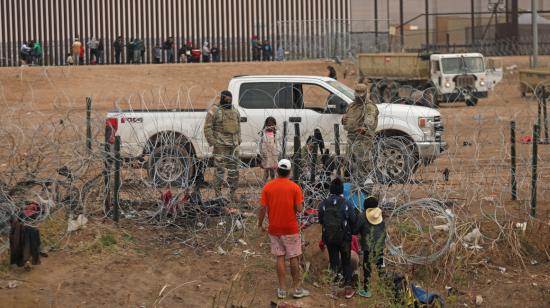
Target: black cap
[[370, 203], [336, 186]]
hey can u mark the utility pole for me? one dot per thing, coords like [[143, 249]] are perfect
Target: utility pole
[[534, 14], [514, 21], [376, 23], [427, 25], [473, 22], [388, 22], [401, 31]]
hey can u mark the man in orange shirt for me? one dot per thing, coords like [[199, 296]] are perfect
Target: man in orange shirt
[[282, 200]]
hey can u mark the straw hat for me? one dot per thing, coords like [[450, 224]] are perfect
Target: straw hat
[[374, 215]]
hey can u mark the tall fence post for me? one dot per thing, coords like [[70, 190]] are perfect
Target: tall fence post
[[107, 170], [116, 209], [89, 125], [313, 163], [545, 115], [337, 147], [536, 133], [285, 136], [513, 158], [540, 98], [297, 158]]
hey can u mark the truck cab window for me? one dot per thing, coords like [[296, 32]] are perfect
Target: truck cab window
[[435, 66], [311, 96], [266, 95]]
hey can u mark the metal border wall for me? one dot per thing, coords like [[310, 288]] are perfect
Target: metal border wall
[[228, 23]]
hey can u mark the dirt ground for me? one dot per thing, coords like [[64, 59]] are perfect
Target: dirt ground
[[133, 265]]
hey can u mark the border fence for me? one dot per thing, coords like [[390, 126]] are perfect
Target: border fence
[[228, 24]]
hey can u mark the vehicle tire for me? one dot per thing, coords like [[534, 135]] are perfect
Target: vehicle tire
[[471, 102], [429, 98], [395, 160], [171, 165]]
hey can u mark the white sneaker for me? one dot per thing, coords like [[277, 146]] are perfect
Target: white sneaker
[[301, 292], [281, 294]]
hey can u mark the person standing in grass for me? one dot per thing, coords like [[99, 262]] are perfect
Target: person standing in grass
[[337, 216], [372, 229], [282, 199]]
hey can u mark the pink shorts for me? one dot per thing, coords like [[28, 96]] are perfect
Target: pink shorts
[[286, 245]]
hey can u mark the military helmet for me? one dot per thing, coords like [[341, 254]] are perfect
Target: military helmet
[[361, 89]]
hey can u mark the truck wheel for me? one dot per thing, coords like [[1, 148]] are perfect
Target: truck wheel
[[171, 165], [395, 160], [471, 102]]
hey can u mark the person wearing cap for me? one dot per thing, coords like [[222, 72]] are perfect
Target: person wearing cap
[[372, 229], [282, 199], [360, 123], [222, 128], [337, 217]]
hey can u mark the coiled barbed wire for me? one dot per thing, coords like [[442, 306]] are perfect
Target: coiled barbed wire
[[477, 179]]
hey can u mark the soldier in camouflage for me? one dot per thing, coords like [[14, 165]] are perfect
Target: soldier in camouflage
[[360, 123], [222, 129]]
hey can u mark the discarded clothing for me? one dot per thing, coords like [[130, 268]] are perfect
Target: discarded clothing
[[24, 244], [424, 297]]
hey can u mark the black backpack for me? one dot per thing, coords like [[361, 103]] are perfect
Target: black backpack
[[333, 223]]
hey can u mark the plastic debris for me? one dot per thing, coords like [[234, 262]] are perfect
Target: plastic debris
[[242, 242], [220, 251], [474, 236], [526, 139], [76, 224], [522, 226], [444, 228], [200, 225], [12, 284], [238, 225], [479, 300], [502, 269]]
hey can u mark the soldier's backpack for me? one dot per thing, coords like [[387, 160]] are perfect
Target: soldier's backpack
[[334, 223]]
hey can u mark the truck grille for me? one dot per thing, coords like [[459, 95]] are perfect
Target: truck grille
[[438, 128], [465, 81]]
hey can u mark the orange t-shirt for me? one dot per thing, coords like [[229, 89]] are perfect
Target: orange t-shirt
[[280, 196]]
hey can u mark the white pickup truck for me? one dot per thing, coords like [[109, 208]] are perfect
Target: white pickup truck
[[172, 141]]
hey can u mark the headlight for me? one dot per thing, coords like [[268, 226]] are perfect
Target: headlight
[[482, 83], [447, 84], [426, 124]]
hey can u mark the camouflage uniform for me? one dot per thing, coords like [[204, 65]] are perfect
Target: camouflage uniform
[[360, 122], [222, 129]]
